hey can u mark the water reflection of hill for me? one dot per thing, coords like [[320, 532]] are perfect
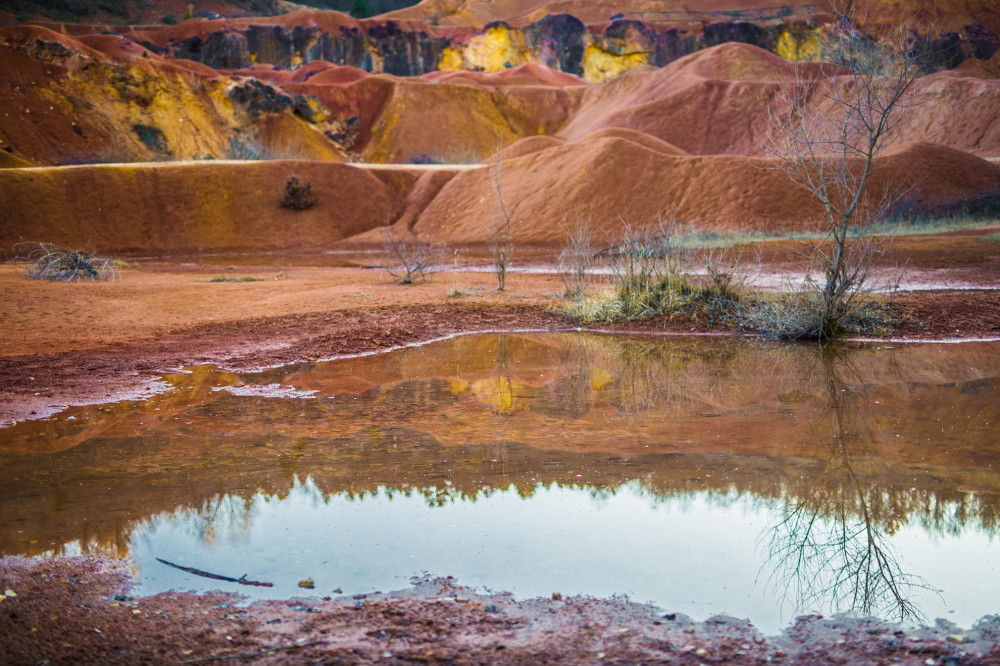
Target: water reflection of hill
[[898, 434]]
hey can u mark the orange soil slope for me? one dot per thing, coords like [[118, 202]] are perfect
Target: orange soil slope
[[192, 206], [651, 140], [711, 102], [69, 102], [615, 180], [65, 99], [715, 102], [452, 117], [235, 205]]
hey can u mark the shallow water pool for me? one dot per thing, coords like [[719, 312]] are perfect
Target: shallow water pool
[[759, 479]]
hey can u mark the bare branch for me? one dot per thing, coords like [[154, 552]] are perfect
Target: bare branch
[[499, 243], [410, 261]]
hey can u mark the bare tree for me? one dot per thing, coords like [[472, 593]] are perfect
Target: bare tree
[[827, 132], [577, 258], [410, 261], [500, 247]]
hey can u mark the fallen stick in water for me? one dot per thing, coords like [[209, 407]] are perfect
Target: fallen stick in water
[[242, 580]]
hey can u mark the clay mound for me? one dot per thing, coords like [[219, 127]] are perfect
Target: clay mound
[[948, 173], [612, 179], [45, 41], [692, 103], [733, 62], [618, 179], [641, 138], [951, 109], [528, 74], [337, 75], [979, 69], [529, 145], [418, 120], [72, 103], [122, 49], [713, 102], [195, 206], [163, 34]]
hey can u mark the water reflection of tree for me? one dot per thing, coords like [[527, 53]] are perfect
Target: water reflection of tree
[[571, 396], [224, 517], [830, 544], [669, 377], [503, 406]]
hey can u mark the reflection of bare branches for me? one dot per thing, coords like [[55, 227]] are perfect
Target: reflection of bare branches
[[653, 374], [830, 548], [229, 515], [503, 398], [570, 397]]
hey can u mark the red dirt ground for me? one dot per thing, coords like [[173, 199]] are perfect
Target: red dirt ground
[[93, 342]]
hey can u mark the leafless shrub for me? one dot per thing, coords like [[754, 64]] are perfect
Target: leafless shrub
[[499, 230], [728, 276], [576, 261], [410, 261], [56, 264]]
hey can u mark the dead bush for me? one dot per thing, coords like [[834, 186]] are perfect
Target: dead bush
[[57, 264]]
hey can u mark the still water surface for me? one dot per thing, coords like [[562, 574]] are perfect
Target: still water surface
[[758, 479]]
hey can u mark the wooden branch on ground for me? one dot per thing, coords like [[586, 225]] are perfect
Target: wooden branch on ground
[[242, 580]]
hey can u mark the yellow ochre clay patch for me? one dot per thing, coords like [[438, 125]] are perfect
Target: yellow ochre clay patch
[[496, 49], [800, 45], [599, 64]]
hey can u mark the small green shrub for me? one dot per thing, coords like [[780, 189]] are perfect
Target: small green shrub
[[646, 274], [228, 278], [649, 279]]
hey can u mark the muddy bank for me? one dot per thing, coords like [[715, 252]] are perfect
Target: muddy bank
[[36, 384], [77, 610]]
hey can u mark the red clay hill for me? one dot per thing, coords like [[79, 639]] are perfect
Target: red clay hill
[[143, 139]]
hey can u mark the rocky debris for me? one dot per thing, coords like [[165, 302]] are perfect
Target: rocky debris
[[435, 621], [257, 97]]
